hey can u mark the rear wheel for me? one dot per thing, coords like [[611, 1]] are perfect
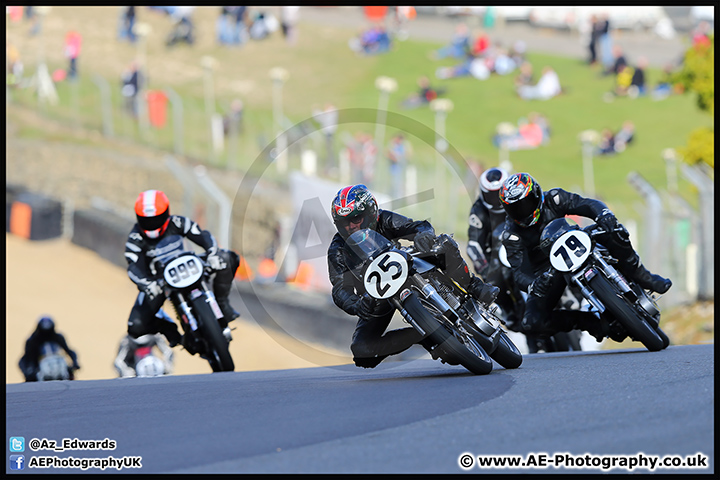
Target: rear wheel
[[620, 308], [455, 346], [218, 354]]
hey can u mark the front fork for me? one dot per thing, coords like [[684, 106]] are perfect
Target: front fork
[[585, 274]]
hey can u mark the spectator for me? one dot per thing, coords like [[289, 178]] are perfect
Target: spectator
[[424, 95], [594, 34], [131, 83], [224, 26], [701, 35], [238, 15], [399, 153], [623, 80], [233, 120], [525, 77], [481, 43], [459, 45], [72, 52], [183, 29], [127, 22], [619, 60], [288, 22], [502, 63], [607, 143], [624, 136], [547, 87], [372, 41], [402, 16], [605, 41], [530, 133], [637, 83], [259, 28], [517, 52]]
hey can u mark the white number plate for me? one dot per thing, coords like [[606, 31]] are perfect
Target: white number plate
[[183, 271], [570, 251], [386, 275]]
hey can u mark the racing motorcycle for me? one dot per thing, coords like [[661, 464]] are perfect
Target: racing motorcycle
[[502, 277], [457, 328], [53, 364], [185, 279], [575, 253], [147, 364]]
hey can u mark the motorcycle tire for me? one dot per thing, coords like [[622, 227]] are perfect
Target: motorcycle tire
[[463, 350], [664, 337], [219, 356], [507, 353], [626, 314]]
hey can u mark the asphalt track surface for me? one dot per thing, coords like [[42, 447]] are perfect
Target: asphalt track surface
[[415, 416]]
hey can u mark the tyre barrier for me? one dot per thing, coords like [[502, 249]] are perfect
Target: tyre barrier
[[32, 216], [11, 193], [103, 232]]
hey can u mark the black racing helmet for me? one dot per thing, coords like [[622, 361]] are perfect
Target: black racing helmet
[[352, 202], [522, 198], [491, 181]]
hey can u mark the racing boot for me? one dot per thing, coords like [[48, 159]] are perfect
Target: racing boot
[[637, 272], [170, 331], [651, 281], [457, 269], [221, 286], [597, 327]]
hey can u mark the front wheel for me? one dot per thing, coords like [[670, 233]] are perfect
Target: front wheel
[[455, 346], [506, 353], [218, 354], [620, 308]]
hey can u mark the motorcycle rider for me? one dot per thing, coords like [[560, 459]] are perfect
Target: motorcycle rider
[[44, 332], [355, 208], [154, 221], [486, 215], [529, 210], [125, 361]]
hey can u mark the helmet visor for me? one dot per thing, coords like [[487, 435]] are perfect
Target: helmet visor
[[524, 212]]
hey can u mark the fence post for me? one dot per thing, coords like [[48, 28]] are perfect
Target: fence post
[[185, 179], [653, 225], [707, 220], [105, 104]]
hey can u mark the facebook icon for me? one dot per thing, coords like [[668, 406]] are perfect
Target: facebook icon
[[17, 462]]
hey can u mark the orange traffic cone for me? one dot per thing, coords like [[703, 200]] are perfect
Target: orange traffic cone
[[303, 276]]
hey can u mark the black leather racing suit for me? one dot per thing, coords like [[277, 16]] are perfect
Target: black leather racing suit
[[524, 243], [139, 252], [369, 346], [484, 230]]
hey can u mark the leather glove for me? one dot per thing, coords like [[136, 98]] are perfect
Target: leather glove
[[488, 293], [366, 306], [153, 289], [607, 220], [541, 285], [424, 241], [215, 262]]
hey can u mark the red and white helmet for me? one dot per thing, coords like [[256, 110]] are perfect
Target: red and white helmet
[[152, 209]]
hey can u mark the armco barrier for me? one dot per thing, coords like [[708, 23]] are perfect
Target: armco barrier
[[33, 216], [103, 232]]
